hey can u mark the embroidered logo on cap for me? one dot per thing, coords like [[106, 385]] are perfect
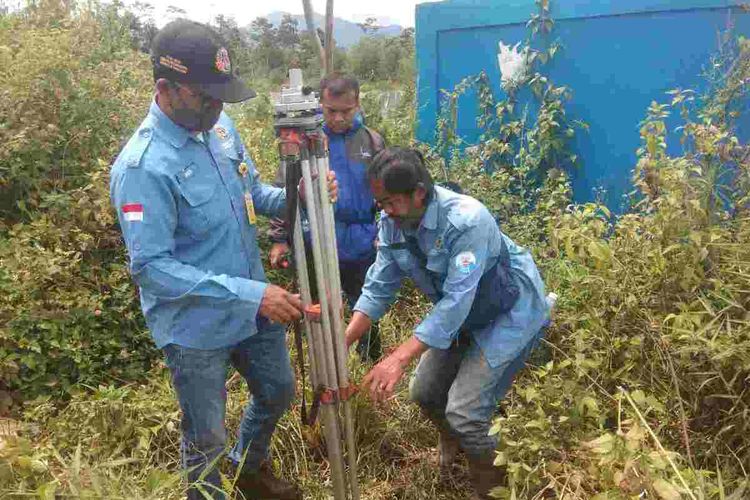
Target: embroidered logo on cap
[[222, 61], [172, 63]]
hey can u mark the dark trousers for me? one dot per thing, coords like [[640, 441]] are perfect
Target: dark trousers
[[353, 274]]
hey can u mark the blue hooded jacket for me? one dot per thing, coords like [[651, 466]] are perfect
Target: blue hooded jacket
[[354, 211]]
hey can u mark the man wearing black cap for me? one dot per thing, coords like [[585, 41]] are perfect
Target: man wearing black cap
[[186, 194]]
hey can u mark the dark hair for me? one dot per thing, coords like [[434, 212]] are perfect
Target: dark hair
[[453, 186], [402, 171], [337, 85]]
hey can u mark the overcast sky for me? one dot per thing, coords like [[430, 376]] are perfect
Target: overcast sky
[[244, 11]]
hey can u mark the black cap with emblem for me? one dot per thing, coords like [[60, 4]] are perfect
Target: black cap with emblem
[[189, 52]]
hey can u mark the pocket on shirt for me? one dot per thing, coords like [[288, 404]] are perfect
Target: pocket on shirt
[[404, 259], [198, 192], [437, 261]]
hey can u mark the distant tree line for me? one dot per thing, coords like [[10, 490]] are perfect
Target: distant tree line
[[264, 51]]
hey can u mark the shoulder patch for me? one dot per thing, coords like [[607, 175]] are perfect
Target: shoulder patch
[[137, 146], [465, 262], [221, 132], [226, 133]]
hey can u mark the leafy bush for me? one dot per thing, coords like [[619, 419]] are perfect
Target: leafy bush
[[73, 89], [643, 390], [109, 442], [70, 89], [396, 123]]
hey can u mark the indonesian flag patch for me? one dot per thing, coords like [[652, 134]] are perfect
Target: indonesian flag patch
[[132, 212]]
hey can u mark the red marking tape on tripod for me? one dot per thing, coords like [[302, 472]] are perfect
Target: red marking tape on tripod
[[292, 135], [312, 312], [348, 391], [328, 396]]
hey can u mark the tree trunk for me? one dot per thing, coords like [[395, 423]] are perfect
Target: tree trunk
[[310, 21], [329, 36]]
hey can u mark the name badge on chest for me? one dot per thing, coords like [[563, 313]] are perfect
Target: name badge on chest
[[250, 209]]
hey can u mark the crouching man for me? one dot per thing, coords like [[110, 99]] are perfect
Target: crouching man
[[489, 307]]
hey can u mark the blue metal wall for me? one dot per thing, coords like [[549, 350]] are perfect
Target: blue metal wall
[[616, 57]]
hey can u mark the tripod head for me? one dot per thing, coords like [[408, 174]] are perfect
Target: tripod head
[[297, 106]]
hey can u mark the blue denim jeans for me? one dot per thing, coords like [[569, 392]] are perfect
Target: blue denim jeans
[[459, 391], [199, 378]]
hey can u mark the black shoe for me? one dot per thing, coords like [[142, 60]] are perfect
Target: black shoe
[[448, 448], [264, 485], [485, 475]]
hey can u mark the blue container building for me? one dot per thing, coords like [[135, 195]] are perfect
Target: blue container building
[[616, 57]]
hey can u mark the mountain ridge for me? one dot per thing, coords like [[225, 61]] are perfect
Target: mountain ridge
[[346, 33]]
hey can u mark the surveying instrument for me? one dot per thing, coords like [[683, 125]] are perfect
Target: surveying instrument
[[303, 152]]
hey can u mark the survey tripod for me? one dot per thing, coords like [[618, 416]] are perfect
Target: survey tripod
[[303, 152]]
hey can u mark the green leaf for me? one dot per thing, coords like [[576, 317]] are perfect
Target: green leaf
[[666, 490], [24, 462], [46, 491], [76, 463], [535, 424], [600, 251], [602, 445], [530, 393], [495, 427], [588, 406], [657, 460], [638, 396]]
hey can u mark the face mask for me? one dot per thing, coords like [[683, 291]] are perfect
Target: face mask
[[195, 120]]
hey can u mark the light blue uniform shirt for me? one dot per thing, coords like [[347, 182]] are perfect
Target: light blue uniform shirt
[[180, 199], [461, 240]]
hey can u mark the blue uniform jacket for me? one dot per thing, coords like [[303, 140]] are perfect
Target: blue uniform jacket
[[461, 240], [185, 203]]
